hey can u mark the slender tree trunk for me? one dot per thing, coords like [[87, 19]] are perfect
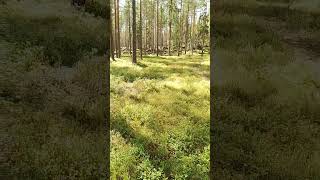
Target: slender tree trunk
[[111, 37], [118, 28], [170, 24], [153, 29], [115, 28], [146, 37], [140, 29], [161, 32], [186, 31], [202, 50], [130, 37], [111, 44], [181, 28], [193, 28], [157, 28], [134, 38], [126, 38]]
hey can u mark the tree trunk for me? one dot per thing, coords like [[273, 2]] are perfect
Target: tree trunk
[[115, 28], [193, 29], [134, 38], [170, 24], [130, 37], [181, 28], [146, 37], [157, 29], [161, 32], [186, 31], [111, 38], [153, 29], [140, 29], [118, 28], [111, 44]]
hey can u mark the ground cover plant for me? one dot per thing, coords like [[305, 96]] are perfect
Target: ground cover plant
[[266, 91], [160, 118], [51, 97], [160, 90]]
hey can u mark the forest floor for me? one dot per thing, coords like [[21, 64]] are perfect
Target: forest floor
[[52, 87], [51, 99], [266, 92], [160, 117], [266, 98]]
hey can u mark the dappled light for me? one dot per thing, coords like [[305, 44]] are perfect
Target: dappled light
[[160, 110]]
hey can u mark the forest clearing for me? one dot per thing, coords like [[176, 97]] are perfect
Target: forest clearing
[[160, 100], [160, 118], [53, 96]]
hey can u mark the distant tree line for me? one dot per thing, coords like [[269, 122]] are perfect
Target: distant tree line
[[166, 27]]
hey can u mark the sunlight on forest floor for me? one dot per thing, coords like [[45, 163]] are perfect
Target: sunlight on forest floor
[[160, 117]]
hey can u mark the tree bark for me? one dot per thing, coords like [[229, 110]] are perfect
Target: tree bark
[[180, 28], [193, 29], [134, 38], [186, 31], [146, 37], [118, 28], [140, 29], [170, 24], [130, 37], [115, 28], [161, 32], [111, 38], [157, 29], [111, 43]]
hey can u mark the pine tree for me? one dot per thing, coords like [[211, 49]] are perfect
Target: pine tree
[[134, 37]]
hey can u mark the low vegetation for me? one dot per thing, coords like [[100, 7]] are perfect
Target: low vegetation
[[266, 94], [52, 94], [160, 118]]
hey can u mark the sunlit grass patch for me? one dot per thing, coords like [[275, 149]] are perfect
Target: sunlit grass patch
[[163, 109]]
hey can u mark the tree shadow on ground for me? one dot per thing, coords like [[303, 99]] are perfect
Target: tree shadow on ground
[[156, 153]]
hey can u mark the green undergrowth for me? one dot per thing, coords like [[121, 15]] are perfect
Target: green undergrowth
[[56, 119], [64, 33], [266, 101], [297, 16], [160, 118], [52, 95]]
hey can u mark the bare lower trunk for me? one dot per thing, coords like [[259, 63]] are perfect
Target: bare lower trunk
[[186, 33], [118, 28], [134, 37], [130, 31], [157, 28], [140, 29], [193, 29]]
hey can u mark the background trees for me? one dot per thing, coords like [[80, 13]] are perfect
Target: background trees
[[167, 27]]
